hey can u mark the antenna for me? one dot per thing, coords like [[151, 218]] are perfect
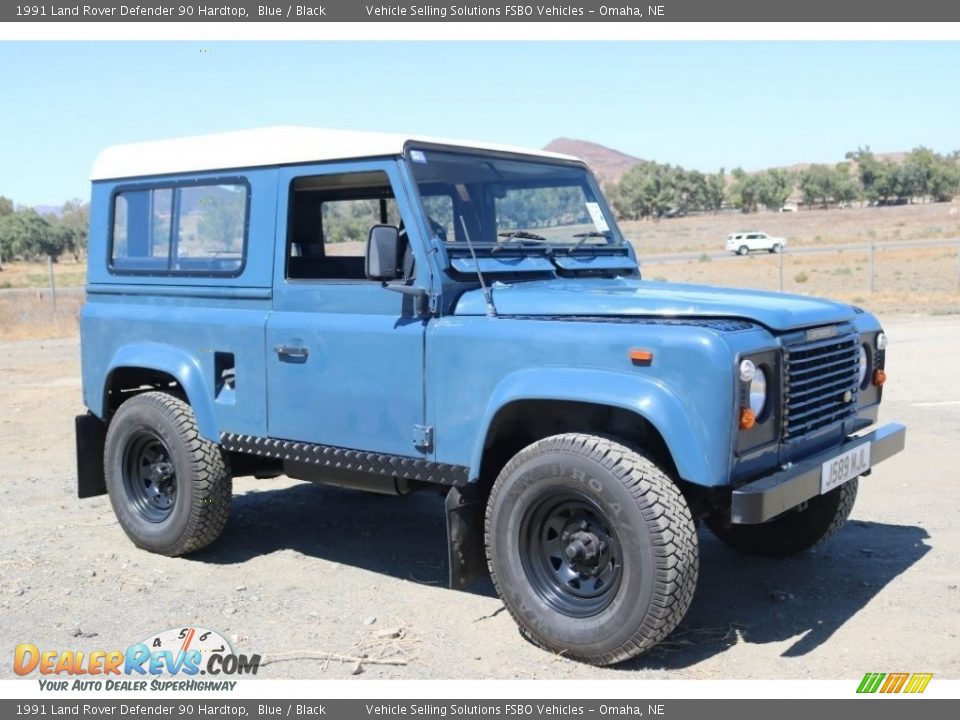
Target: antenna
[[487, 295]]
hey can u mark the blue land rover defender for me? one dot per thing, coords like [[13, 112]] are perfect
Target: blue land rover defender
[[396, 314]]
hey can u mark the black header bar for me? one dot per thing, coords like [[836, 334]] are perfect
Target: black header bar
[[324, 11]]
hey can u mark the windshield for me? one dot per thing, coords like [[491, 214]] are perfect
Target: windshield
[[505, 204]]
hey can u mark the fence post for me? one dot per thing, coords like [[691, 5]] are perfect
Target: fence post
[[53, 285], [782, 251], [872, 248]]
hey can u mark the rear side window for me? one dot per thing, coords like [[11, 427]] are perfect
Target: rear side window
[[182, 230]]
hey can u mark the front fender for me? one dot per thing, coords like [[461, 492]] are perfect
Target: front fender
[[699, 449], [181, 365]]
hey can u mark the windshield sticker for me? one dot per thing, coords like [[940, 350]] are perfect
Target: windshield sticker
[[418, 157], [596, 214]]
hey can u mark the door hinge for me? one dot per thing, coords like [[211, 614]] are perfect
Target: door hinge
[[423, 437]]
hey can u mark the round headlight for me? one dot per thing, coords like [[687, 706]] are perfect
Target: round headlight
[[881, 341], [747, 370], [862, 367], [758, 392]]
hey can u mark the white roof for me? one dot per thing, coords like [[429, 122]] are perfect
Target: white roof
[[279, 145]]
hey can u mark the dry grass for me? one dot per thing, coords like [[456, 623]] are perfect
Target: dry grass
[[30, 315], [808, 227], [66, 274], [921, 280]]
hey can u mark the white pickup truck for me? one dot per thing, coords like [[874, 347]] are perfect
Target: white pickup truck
[[742, 243]]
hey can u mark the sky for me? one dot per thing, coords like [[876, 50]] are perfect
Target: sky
[[701, 105]]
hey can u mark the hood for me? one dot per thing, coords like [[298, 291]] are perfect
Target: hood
[[644, 298]]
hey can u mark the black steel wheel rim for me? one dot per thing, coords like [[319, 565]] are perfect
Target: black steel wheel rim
[[149, 476], [571, 554]]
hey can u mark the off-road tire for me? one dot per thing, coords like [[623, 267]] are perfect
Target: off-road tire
[[794, 531], [743, 250], [651, 527], [200, 508]]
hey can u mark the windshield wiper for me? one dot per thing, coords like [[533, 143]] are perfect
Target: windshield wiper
[[509, 237], [585, 236]]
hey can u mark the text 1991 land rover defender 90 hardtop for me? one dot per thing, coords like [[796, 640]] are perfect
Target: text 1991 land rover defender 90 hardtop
[[397, 314]]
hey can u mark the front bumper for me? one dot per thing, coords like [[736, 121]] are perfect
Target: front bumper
[[764, 499]]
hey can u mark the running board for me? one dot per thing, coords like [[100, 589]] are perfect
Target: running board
[[338, 458]]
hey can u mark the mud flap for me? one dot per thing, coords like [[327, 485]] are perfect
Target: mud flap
[[91, 434], [465, 551]]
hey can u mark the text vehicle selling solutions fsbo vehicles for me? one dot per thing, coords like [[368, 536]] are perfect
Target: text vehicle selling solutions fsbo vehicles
[[397, 314]]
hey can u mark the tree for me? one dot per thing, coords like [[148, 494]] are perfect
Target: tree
[[28, 236], [775, 187], [817, 184], [870, 171], [844, 187], [746, 190], [6, 206], [643, 191], [888, 184], [945, 180], [74, 222], [716, 191]]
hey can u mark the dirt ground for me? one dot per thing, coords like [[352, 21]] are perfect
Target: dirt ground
[[303, 568]]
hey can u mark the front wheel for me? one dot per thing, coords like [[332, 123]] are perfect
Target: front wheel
[[592, 548], [776, 248], [170, 488], [819, 519]]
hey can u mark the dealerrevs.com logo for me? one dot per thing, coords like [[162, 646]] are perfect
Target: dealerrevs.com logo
[[169, 660]]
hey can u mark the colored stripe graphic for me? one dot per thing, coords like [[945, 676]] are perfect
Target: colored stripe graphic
[[870, 682], [918, 683], [894, 682]]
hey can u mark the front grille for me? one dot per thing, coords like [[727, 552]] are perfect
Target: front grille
[[820, 384]]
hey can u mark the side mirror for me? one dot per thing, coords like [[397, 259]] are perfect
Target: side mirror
[[383, 253]]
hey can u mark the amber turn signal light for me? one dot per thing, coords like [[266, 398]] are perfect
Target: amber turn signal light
[[640, 357], [747, 418], [879, 377]]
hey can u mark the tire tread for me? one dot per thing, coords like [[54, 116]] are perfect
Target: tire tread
[[209, 472], [664, 509]]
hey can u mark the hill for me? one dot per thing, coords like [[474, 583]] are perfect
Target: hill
[[610, 165], [607, 164]]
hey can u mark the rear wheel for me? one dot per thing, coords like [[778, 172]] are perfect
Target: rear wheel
[[795, 530], [592, 548], [169, 487], [743, 250]]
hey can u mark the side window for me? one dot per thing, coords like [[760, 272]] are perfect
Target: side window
[[196, 229], [141, 230], [210, 225], [346, 223], [439, 209], [330, 218]]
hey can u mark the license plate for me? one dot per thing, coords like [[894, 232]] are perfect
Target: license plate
[[842, 468]]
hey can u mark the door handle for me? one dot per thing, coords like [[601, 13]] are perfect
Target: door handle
[[292, 352]]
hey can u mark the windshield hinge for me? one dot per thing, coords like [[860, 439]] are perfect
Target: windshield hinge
[[423, 437], [434, 304]]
